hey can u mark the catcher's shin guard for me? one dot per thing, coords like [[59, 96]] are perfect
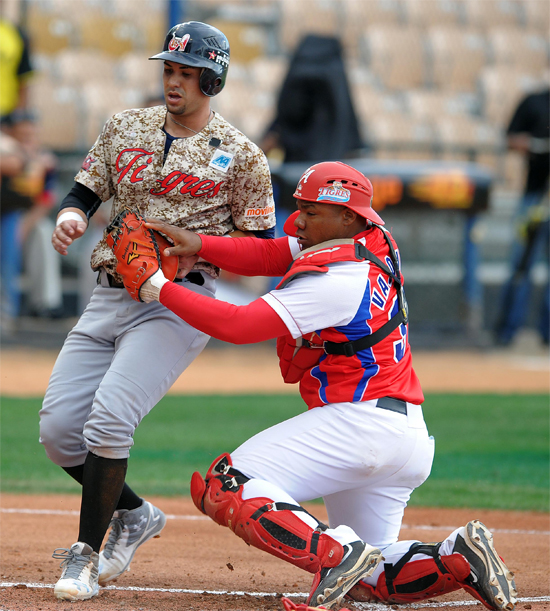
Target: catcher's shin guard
[[410, 581], [262, 523]]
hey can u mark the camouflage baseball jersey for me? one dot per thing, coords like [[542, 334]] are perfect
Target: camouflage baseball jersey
[[212, 183]]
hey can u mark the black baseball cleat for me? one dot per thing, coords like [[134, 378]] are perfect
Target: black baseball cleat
[[490, 580], [330, 585]]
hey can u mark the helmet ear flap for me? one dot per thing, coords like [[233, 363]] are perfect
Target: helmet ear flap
[[210, 83]]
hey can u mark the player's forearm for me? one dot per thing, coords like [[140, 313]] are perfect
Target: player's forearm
[[247, 324], [81, 198], [247, 256]]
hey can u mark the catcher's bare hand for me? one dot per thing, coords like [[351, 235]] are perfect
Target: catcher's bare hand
[[185, 265], [186, 243], [66, 233]]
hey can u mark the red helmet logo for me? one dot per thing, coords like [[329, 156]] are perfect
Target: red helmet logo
[[178, 44], [336, 193]]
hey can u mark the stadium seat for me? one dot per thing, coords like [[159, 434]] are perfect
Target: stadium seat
[[60, 115], [525, 50], [536, 15], [396, 55], [484, 14], [468, 138], [370, 102], [114, 36], [49, 32], [434, 12], [399, 136], [268, 72], [301, 17], [501, 88], [235, 100], [358, 15], [429, 103], [78, 66], [247, 40], [135, 70], [101, 100], [456, 57]]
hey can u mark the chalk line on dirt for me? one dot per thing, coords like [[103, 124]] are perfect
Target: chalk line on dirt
[[364, 606]]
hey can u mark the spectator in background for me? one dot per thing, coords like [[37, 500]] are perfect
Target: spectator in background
[[27, 194], [15, 66], [315, 118], [528, 133]]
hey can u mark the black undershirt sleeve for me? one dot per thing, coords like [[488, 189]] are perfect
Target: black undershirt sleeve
[[82, 198]]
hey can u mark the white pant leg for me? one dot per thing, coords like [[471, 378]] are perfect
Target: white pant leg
[[256, 488], [376, 509], [339, 452]]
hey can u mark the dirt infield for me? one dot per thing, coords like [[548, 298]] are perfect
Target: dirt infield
[[195, 555], [197, 565]]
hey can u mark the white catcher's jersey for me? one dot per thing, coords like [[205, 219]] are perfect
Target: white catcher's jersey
[[212, 183]]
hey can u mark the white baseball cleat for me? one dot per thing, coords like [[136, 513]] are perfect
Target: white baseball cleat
[[129, 530], [78, 580], [490, 580]]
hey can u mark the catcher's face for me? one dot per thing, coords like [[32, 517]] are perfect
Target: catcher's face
[[318, 223], [181, 89]]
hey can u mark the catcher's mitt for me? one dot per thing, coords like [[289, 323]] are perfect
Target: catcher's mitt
[[139, 251]]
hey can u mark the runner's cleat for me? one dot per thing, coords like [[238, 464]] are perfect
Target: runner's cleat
[[129, 530], [78, 580]]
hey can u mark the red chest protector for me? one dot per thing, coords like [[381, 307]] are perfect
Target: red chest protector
[[297, 356]]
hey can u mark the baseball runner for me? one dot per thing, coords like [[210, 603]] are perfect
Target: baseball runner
[[340, 316], [185, 164]]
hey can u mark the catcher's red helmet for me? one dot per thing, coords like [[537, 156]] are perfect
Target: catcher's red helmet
[[334, 182], [198, 44]]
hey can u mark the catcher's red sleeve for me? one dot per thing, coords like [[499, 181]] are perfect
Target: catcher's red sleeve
[[247, 256], [248, 324]]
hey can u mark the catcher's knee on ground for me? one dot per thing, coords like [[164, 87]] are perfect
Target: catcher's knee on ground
[[408, 581], [262, 523]]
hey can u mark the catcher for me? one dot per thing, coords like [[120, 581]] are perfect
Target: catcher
[[341, 322]]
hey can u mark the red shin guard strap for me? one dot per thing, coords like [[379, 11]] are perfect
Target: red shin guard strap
[[415, 580]]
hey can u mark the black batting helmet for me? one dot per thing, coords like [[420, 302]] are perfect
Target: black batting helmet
[[199, 45]]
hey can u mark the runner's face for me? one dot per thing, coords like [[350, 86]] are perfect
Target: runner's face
[[318, 223], [181, 89]]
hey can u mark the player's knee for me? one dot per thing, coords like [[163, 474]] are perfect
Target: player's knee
[[63, 447]]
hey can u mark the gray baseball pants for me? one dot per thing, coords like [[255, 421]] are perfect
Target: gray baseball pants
[[115, 365]]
